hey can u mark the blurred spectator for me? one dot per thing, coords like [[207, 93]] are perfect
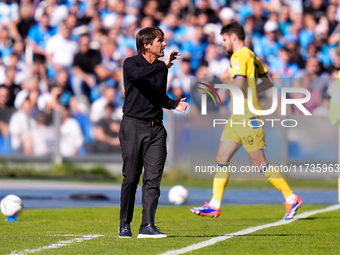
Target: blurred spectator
[[20, 125], [26, 19], [204, 7], [106, 132], [331, 18], [30, 90], [314, 70], [109, 15], [226, 15], [307, 34], [216, 63], [244, 9], [180, 84], [282, 66], [322, 110], [336, 62], [60, 49], [41, 138], [268, 46], [19, 50], [84, 69], [173, 26], [9, 17], [283, 19], [75, 26], [4, 97], [109, 70], [97, 108], [294, 50], [128, 41], [9, 12], [195, 48], [320, 41], [38, 36], [56, 12], [259, 19], [297, 25], [95, 32], [5, 43], [116, 12], [251, 36], [306, 83], [332, 86], [11, 86], [21, 71], [71, 136], [132, 6], [151, 8], [316, 9], [60, 94], [5, 115]]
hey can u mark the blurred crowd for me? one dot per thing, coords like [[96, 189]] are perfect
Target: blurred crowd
[[67, 55]]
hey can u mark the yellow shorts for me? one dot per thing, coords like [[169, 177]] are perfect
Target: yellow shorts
[[252, 138]]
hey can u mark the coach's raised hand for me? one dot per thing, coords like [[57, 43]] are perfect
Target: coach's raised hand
[[171, 57]]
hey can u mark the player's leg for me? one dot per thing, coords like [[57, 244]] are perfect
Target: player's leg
[[273, 175], [225, 152], [258, 159]]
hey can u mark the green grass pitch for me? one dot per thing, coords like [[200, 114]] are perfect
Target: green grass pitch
[[318, 234]]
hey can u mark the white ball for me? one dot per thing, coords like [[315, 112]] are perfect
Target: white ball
[[178, 195], [11, 205]]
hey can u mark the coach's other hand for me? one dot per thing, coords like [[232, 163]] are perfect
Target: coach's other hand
[[180, 105], [172, 56]]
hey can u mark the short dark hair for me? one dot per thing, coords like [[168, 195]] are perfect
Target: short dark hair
[[285, 49], [84, 35], [146, 36], [234, 28]]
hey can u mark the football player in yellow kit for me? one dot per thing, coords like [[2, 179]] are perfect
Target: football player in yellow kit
[[245, 68]]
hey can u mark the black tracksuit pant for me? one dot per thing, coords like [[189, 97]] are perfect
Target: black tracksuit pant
[[143, 145]]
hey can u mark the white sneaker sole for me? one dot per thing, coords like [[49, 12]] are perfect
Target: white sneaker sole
[[151, 236]]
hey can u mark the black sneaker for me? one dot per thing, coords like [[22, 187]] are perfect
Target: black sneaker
[[150, 231], [124, 230]]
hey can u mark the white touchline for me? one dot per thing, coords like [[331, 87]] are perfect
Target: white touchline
[[59, 244], [249, 230]]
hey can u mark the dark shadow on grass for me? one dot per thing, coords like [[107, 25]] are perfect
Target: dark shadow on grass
[[323, 218]]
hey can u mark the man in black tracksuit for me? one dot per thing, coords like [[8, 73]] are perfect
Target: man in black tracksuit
[[142, 134]]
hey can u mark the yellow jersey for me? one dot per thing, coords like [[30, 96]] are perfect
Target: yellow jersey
[[244, 63]]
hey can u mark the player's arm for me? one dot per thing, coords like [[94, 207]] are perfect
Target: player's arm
[[267, 83], [237, 75], [266, 79], [238, 80]]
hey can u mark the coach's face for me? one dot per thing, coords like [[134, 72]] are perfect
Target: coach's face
[[157, 47], [227, 44]]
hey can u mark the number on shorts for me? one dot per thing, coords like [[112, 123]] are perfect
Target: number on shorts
[[248, 139]]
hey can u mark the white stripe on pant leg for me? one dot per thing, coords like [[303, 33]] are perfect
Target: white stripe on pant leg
[[249, 230]]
